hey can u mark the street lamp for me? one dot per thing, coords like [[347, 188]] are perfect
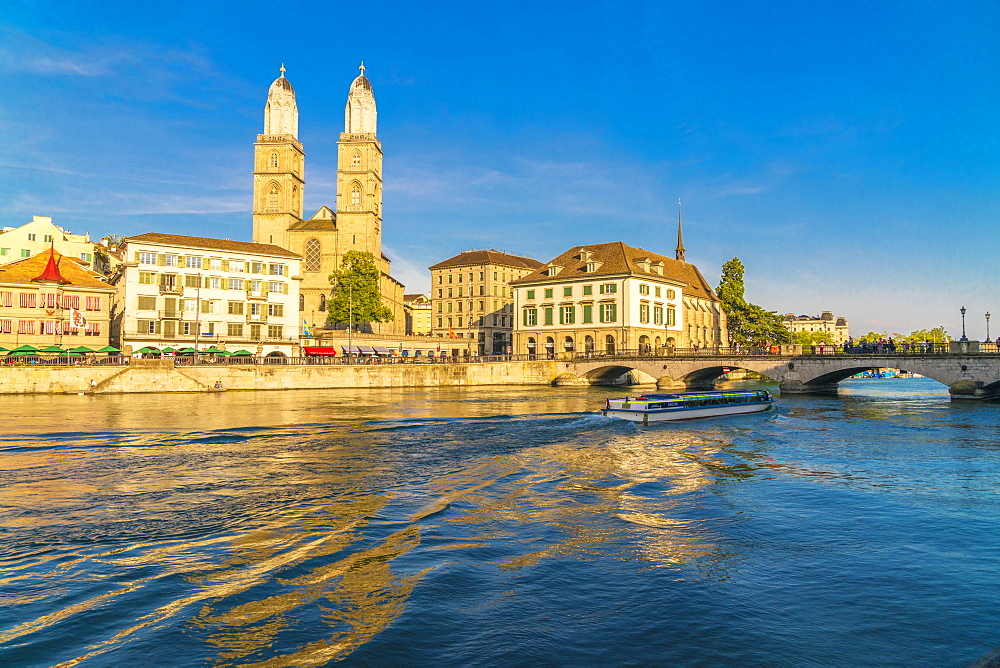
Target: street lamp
[[963, 325], [987, 327]]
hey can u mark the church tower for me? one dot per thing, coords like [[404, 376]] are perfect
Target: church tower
[[279, 167], [359, 174]]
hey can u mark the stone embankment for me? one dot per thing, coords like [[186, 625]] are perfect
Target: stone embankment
[[162, 376]]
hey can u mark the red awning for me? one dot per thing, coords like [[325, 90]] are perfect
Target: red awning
[[320, 351]]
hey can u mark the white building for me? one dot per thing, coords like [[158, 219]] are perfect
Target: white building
[[178, 291], [41, 234], [612, 297], [825, 323]]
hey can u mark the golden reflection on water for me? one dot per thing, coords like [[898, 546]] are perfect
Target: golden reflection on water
[[314, 562]]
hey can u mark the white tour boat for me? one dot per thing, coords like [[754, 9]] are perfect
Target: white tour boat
[[687, 405]]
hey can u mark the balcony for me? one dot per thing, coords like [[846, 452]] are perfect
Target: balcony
[[175, 314], [259, 318], [171, 289]]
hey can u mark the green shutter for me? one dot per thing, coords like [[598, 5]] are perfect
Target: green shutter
[[548, 315], [614, 313], [561, 316], [588, 313]]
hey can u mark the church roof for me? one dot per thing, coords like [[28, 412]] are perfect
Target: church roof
[[214, 244], [488, 256], [281, 84], [618, 258], [70, 270], [314, 224]]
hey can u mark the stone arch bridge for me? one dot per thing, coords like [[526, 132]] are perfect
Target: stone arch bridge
[[968, 376]]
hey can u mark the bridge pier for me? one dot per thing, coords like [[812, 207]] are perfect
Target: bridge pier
[[798, 387], [668, 384], [971, 389], [567, 378]]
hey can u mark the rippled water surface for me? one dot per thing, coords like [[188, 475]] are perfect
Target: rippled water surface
[[497, 526]]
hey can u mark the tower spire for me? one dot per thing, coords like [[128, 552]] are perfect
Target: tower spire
[[282, 69], [679, 251], [362, 68]]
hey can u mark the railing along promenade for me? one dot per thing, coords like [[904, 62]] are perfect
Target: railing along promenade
[[735, 353]]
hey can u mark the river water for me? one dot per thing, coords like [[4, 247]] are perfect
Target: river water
[[497, 526]]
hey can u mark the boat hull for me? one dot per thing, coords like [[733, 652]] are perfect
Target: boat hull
[[675, 415]]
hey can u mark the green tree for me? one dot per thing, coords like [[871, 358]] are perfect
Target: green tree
[[748, 324], [812, 338], [356, 295]]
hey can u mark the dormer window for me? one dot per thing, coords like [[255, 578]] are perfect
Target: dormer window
[[585, 255], [593, 266], [552, 270], [657, 267]]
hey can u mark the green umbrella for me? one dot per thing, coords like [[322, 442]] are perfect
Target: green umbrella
[[169, 350], [25, 349], [21, 353], [187, 351], [225, 353], [81, 349], [69, 352], [243, 352], [51, 349], [108, 349], [2, 349], [213, 350]]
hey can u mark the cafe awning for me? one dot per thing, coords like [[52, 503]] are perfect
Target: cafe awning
[[380, 350], [320, 351]]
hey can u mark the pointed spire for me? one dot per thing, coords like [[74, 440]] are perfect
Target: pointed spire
[[362, 68], [51, 273], [679, 251], [282, 69]]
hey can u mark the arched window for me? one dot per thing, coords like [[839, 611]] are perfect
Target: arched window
[[609, 343], [274, 159], [272, 198], [568, 343], [356, 160], [302, 302], [313, 256], [531, 345], [322, 302], [356, 194], [588, 344]]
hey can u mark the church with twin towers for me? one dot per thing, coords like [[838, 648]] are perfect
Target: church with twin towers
[[355, 220]]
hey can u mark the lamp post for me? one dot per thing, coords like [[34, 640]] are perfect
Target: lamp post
[[963, 325], [987, 327]]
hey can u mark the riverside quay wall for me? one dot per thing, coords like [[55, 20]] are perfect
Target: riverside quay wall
[[163, 376]]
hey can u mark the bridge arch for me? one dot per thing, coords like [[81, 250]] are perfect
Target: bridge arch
[[834, 377], [615, 374], [705, 377]]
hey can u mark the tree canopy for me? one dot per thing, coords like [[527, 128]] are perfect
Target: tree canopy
[[356, 296], [748, 324], [812, 338], [935, 335]]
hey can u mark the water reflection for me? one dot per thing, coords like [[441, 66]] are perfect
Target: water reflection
[[296, 528]]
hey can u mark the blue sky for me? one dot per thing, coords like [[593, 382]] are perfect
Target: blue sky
[[848, 154]]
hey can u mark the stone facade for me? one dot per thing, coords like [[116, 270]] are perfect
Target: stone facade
[[179, 292], [837, 327], [355, 223], [612, 297], [471, 297], [35, 310], [418, 314]]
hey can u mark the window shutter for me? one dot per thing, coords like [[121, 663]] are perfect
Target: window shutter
[[561, 322], [157, 326], [285, 288], [137, 256], [161, 260], [614, 313], [181, 261], [225, 265], [286, 270]]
